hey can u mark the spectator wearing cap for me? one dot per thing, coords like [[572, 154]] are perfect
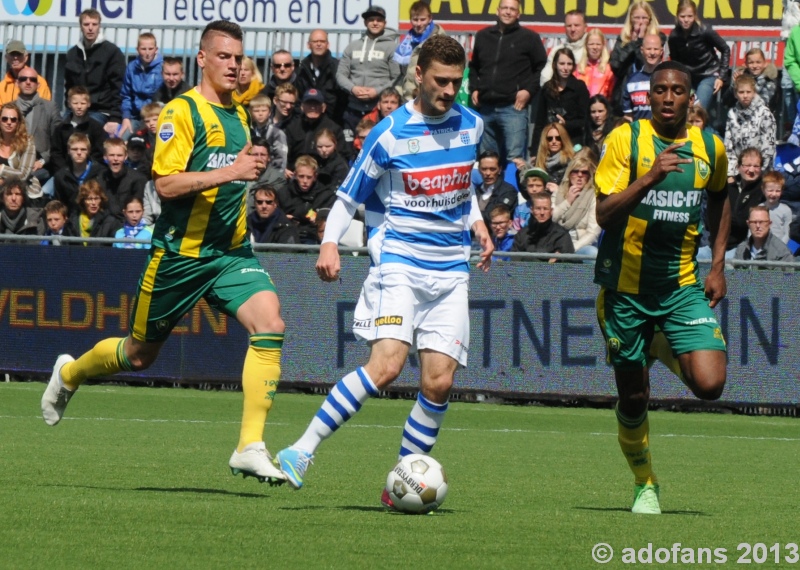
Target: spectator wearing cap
[[318, 71], [368, 67], [282, 69], [42, 118], [301, 130], [533, 180], [137, 156], [16, 59]]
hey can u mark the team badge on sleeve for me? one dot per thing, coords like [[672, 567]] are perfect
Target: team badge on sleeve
[[166, 132]]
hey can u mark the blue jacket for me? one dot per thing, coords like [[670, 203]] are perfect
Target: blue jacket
[[139, 86]]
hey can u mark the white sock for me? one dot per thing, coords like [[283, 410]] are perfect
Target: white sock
[[422, 427]]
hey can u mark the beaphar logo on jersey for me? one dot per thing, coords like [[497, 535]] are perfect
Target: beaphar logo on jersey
[[438, 181], [29, 7]]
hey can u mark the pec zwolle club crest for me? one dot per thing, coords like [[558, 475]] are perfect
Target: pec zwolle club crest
[[413, 146], [464, 137]]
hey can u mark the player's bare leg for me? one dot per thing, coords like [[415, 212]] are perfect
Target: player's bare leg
[[704, 372]]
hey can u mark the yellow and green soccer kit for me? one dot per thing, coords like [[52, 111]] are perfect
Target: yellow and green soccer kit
[[646, 266]]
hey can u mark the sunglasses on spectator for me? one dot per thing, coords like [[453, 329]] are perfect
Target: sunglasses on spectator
[[282, 65], [30, 78], [9, 119], [267, 202], [556, 138], [582, 172]]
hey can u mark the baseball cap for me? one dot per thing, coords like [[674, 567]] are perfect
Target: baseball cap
[[313, 95], [136, 142], [534, 171], [16, 46], [374, 11]]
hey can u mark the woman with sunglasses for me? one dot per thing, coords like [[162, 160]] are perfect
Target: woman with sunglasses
[[564, 99], [553, 154], [574, 204], [18, 152]]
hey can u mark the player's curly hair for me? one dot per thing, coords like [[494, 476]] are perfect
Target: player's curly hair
[[441, 48]]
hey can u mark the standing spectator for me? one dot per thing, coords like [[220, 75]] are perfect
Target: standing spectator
[[565, 100], [302, 129], [593, 67], [695, 45], [55, 214], [173, 81], [249, 83], [304, 197], [779, 213], [17, 59], [79, 168], [765, 74], [640, 21], [77, 121], [42, 118], [542, 234], [143, 77], [18, 153], [575, 30], [750, 124], [493, 191], [99, 66], [636, 90], [574, 205], [407, 52], [119, 182], [762, 244], [267, 222], [92, 218], [501, 229], [282, 72], [367, 67], [318, 71], [790, 78], [16, 217], [134, 226], [502, 88]]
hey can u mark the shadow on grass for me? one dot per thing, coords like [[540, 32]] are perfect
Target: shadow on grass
[[192, 490], [628, 510], [356, 508]]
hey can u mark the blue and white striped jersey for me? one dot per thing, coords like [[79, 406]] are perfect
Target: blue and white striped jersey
[[414, 177]]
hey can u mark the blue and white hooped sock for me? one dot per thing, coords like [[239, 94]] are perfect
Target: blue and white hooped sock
[[422, 427], [343, 401]]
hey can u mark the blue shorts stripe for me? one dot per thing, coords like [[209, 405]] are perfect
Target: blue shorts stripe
[[424, 430]]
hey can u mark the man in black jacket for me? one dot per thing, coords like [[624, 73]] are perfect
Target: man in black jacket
[[304, 197], [301, 130], [174, 82], [541, 235], [99, 66], [318, 71], [507, 61], [267, 223], [120, 182]]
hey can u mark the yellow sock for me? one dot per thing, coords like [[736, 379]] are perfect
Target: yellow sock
[[661, 349], [634, 441], [260, 377], [106, 358]]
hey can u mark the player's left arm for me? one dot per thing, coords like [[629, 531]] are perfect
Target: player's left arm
[[719, 224]]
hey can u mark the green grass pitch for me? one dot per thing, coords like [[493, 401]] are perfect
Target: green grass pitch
[[138, 478]]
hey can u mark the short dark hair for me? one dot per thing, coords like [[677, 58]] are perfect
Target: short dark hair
[[441, 48], [671, 64], [259, 141], [170, 60], [267, 188], [489, 154], [221, 27], [576, 12]]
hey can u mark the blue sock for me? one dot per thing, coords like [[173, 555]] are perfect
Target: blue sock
[[344, 400], [422, 427]]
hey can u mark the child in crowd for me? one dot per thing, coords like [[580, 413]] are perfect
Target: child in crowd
[[174, 83], [150, 113], [77, 121], [134, 226], [56, 218], [533, 181], [750, 124], [142, 80], [765, 74], [81, 168], [333, 167], [779, 213], [363, 128], [502, 230], [261, 127], [137, 156]]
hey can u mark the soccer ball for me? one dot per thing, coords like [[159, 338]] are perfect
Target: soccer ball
[[417, 484]]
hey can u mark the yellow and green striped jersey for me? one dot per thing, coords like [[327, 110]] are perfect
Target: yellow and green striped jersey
[[195, 135], [654, 250]]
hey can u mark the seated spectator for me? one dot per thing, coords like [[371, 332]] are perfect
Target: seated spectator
[[151, 204], [150, 113], [744, 192], [18, 153], [261, 127], [272, 176], [388, 101], [55, 214], [593, 67], [42, 119], [267, 223], [554, 152], [750, 124], [92, 218], [762, 244], [137, 156], [533, 181], [304, 196], [16, 216], [134, 225], [321, 223], [283, 73], [542, 235], [333, 168], [574, 205], [284, 104], [78, 170], [16, 60], [602, 122], [143, 78], [407, 51], [301, 130], [493, 191], [118, 181], [249, 82], [779, 213], [174, 83], [564, 100], [698, 117], [77, 121], [363, 128], [501, 229]]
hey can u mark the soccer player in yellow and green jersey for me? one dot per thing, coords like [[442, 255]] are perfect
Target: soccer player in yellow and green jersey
[[200, 250], [650, 183]]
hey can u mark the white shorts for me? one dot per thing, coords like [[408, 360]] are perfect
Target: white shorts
[[425, 311]]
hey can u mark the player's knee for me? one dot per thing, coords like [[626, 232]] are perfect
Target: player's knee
[[141, 361], [708, 388]]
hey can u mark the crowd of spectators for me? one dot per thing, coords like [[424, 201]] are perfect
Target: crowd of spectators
[[86, 172]]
